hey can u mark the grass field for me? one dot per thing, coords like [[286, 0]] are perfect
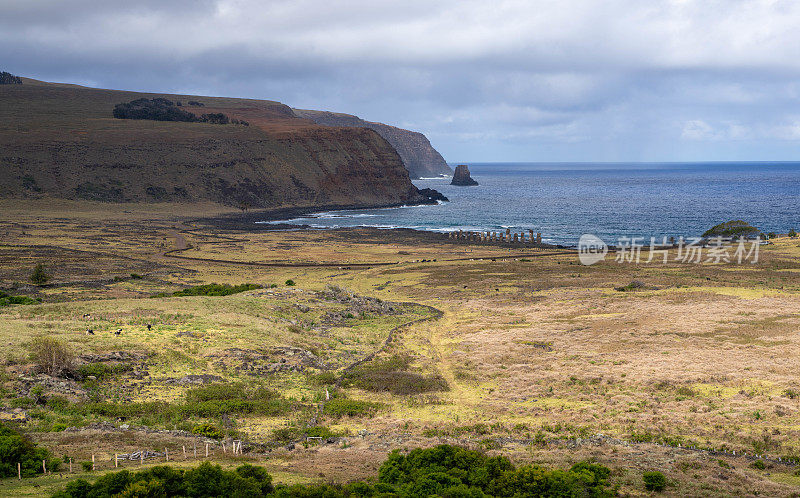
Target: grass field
[[533, 355]]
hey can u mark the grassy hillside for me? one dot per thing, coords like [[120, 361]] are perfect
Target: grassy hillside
[[533, 355], [62, 141]]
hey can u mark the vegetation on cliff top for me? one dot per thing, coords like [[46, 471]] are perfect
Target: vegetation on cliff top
[[9, 79], [160, 109]]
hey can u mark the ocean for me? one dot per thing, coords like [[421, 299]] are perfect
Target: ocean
[[610, 200]]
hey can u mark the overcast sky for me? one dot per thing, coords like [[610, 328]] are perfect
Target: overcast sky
[[560, 80]]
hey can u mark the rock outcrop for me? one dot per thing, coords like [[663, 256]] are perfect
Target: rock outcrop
[[461, 177], [63, 141], [418, 155]]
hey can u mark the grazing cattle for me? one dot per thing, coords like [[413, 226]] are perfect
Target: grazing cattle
[[118, 332], [149, 326], [86, 316], [89, 332]]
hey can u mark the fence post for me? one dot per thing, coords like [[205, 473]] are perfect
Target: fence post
[[19, 471], [70, 465], [92, 461], [166, 454], [141, 457], [184, 452], [206, 450], [44, 467], [116, 460]]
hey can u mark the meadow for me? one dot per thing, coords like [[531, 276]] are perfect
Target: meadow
[[352, 343]]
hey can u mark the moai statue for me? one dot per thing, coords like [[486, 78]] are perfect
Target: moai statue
[[515, 237], [522, 237], [532, 237], [538, 237], [460, 234]]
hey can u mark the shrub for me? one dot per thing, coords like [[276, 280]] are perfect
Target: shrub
[[17, 448], [160, 109], [208, 430], [8, 299], [654, 481], [51, 356], [759, 465], [289, 282], [340, 407], [39, 276], [87, 466], [792, 233], [735, 228], [443, 471], [212, 290]]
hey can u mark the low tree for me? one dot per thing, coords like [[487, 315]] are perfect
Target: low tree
[[39, 276], [51, 356], [654, 481]]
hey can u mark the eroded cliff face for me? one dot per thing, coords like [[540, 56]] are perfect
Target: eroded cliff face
[[62, 141], [419, 156]]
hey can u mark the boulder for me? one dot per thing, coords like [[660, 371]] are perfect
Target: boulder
[[461, 177]]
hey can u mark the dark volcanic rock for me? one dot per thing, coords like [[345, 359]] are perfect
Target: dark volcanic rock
[[461, 177], [433, 195]]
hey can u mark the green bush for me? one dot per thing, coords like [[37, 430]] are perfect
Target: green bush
[[792, 233], [211, 290], [208, 430], [446, 471], [654, 481], [209, 401], [7, 299], [17, 448], [205, 480], [758, 464], [289, 282], [87, 466], [340, 407]]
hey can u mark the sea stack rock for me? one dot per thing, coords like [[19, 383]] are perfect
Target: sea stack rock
[[461, 177]]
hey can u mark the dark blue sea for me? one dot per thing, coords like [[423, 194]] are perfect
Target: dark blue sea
[[610, 200]]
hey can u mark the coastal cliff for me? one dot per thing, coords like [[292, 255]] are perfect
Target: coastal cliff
[[419, 157], [63, 141]]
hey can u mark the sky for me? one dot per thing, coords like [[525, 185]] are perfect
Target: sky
[[537, 80]]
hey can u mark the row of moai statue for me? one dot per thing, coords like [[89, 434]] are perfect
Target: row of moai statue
[[518, 238]]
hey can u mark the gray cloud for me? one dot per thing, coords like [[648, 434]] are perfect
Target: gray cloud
[[509, 80]]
